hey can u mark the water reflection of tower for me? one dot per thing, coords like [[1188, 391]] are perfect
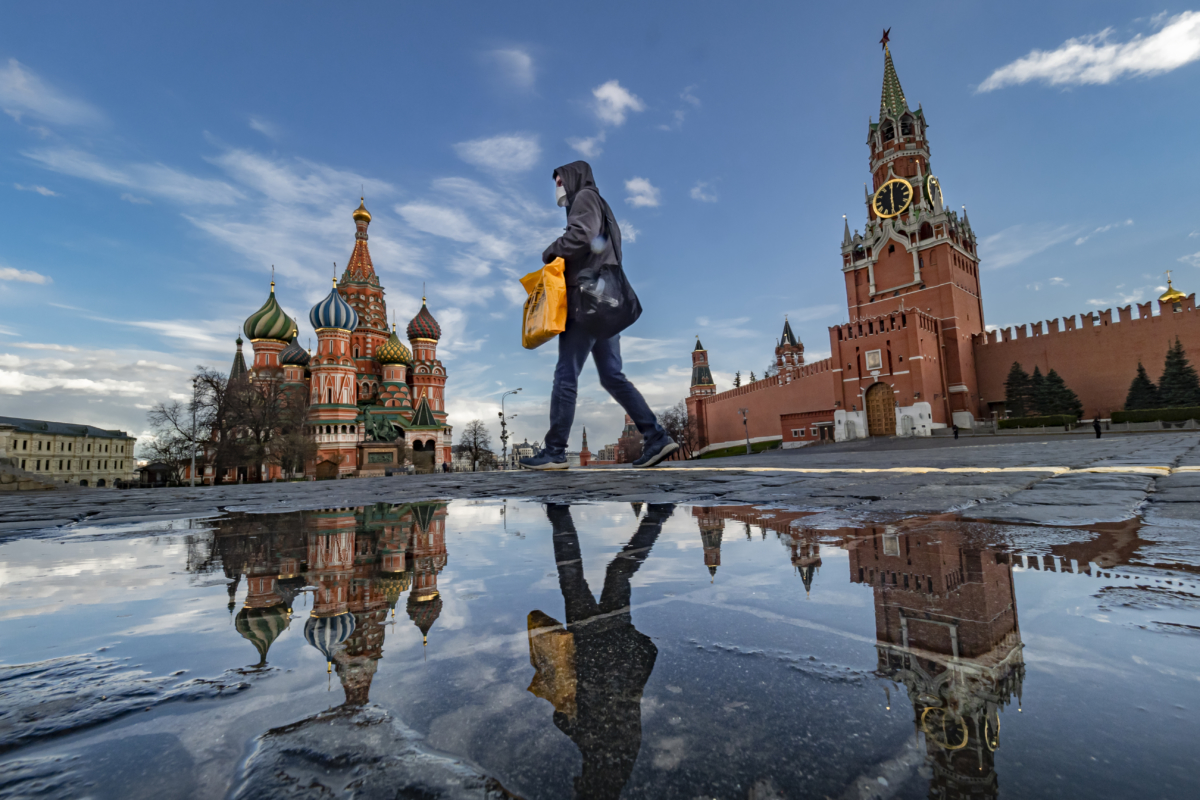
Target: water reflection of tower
[[427, 555], [357, 661], [712, 528], [946, 628], [806, 553]]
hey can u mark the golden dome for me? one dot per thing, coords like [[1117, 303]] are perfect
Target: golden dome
[[361, 212], [1171, 295]]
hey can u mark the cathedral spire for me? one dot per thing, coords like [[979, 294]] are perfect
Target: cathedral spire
[[891, 102]]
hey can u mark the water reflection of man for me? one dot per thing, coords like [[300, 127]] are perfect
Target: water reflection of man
[[594, 668]]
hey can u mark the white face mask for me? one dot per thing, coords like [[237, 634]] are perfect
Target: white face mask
[[560, 195]]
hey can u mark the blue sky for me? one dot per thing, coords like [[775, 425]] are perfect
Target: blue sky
[[158, 160]]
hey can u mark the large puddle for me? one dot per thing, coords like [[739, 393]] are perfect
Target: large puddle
[[496, 649]]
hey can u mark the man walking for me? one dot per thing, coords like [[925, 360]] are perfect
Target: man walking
[[592, 239], [1096, 425]]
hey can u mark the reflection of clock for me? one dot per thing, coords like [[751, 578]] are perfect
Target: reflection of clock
[[892, 198], [933, 191]]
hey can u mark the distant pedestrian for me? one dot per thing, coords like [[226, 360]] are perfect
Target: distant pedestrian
[[1096, 425], [592, 241], [955, 427]]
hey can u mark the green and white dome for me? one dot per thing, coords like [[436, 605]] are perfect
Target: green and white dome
[[270, 322]]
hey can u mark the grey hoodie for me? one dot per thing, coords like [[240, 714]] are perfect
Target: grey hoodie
[[588, 218]]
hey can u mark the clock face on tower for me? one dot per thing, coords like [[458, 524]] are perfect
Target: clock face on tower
[[892, 198]]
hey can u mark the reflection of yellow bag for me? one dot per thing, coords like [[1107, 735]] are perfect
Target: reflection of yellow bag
[[546, 307], [552, 654]]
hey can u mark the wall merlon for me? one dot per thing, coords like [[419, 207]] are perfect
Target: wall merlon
[[1069, 323], [1021, 334], [1052, 326], [1106, 317], [1144, 311], [1036, 328], [1125, 313]]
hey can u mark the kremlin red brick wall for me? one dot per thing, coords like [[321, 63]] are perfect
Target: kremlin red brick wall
[[812, 388], [1097, 358]]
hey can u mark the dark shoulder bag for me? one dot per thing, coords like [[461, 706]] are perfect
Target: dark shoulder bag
[[607, 302]]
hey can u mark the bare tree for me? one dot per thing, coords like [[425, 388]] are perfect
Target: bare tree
[[169, 447], [681, 427], [475, 441]]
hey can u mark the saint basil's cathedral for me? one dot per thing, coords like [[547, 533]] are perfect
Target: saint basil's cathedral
[[370, 395]]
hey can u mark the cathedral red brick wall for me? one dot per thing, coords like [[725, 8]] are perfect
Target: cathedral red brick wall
[[1097, 358]]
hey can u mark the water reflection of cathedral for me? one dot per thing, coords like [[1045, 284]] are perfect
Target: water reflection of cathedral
[[356, 563]]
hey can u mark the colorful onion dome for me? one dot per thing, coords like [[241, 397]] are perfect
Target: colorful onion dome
[[393, 351], [333, 312], [269, 322], [361, 214], [326, 633], [261, 627], [423, 325], [294, 355]]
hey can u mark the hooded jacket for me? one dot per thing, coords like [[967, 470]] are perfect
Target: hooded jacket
[[589, 220]]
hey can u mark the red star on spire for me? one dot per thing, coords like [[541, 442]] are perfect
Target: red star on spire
[[884, 40]]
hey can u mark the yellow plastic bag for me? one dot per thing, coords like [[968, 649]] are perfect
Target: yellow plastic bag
[[546, 307]]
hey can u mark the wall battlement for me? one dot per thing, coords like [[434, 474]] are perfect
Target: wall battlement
[[1093, 319], [808, 370]]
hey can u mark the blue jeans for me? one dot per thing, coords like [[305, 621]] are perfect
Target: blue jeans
[[574, 344]]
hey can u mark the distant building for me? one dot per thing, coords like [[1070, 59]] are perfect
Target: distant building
[[585, 455], [629, 443], [65, 453]]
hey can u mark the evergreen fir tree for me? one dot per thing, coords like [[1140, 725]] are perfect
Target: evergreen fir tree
[[752, 378], [1179, 385], [737, 379], [1060, 398], [1016, 391], [1037, 394], [1142, 392]]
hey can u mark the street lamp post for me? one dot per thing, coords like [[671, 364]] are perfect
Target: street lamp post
[[746, 425], [504, 426], [193, 470]]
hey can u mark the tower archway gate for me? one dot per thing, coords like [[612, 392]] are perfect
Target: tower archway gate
[[880, 404]]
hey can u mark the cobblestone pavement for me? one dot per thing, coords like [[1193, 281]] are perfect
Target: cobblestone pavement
[[1053, 480]]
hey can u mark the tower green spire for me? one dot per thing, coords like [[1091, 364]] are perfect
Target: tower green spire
[[892, 102]]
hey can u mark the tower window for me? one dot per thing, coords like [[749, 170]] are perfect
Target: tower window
[[906, 127], [889, 133]]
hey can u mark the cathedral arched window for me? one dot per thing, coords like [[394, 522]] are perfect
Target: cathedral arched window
[[906, 126], [356, 352], [889, 132]]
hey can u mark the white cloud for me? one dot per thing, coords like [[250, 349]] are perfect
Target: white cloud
[[514, 65], [588, 147], [613, 102], [1095, 59], [629, 233], [449, 223], [703, 192], [1103, 229], [1013, 245], [1124, 297], [1058, 282], [42, 190], [508, 153], [267, 129], [22, 93], [155, 179], [133, 198], [1193, 259], [679, 114], [641, 193], [812, 313], [22, 275]]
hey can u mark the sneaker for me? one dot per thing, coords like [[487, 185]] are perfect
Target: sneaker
[[542, 461], [657, 452]]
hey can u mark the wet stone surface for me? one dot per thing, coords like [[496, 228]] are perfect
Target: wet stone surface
[[852, 640]]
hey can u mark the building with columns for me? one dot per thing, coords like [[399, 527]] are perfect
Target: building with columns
[[915, 354], [370, 396]]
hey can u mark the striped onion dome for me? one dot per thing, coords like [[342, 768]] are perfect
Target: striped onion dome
[[326, 633], [261, 627], [423, 325], [270, 322], [393, 351], [294, 355], [333, 312]]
